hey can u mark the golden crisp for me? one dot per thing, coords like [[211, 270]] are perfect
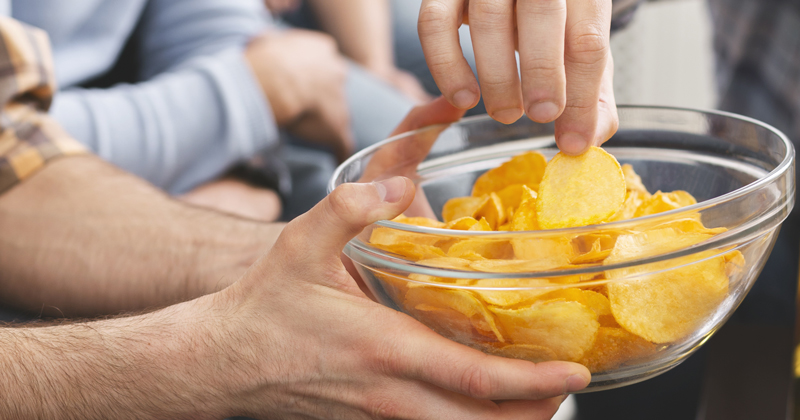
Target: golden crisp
[[661, 202], [524, 218], [614, 347], [603, 325], [633, 182], [456, 208], [486, 248], [451, 312], [494, 295], [669, 305], [413, 251], [492, 210], [530, 352], [567, 328], [633, 200], [580, 190], [527, 169], [512, 195]]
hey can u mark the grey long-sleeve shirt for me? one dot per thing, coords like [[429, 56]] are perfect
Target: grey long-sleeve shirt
[[195, 108]]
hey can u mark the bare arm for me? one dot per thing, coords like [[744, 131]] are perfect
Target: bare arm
[[161, 365], [87, 238], [362, 28], [293, 338]]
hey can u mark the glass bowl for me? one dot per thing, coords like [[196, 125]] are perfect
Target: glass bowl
[[627, 320]]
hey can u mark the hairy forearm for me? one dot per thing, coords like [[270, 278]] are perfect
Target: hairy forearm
[[82, 238], [362, 28], [158, 365]]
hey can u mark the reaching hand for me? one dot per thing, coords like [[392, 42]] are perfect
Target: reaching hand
[[302, 75], [565, 62], [305, 342]]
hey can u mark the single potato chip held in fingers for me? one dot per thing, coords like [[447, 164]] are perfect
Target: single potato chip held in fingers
[[580, 190]]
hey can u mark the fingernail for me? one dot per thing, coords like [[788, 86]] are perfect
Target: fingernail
[[391, 190], [507, 116], [572, 143], [576, 383], [543, 112], [464, 98]]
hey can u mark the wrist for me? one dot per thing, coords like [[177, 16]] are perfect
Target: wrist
[[232, 253]]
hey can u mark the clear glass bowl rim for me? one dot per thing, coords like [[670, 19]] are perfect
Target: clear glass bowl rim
[[714, 242]]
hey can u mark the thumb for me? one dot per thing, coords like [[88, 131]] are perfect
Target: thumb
[[346, 211]]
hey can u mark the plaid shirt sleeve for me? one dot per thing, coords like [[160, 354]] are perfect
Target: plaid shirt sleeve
[[29, 138]]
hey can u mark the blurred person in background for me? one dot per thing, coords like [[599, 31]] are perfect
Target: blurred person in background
[[757, 47], [293, 336], [181, 91]]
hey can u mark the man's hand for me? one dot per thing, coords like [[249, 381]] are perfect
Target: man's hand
[[302, 75], [565, 62], [305, 342]]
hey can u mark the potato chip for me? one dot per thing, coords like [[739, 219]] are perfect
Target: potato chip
[[512, 195], [486, 248], [668, 305], [592, 248], [633, 200], [481, 226], [689, 225], [580, 190], [413, 251], [389, 236], [504, 298], [458, 207], [633, 182], [592, 300], [614, 347], [661, 202], [526, 169], [554, 249], [567, 328], [462, 223], [446, 262], [450, 312], [418, 221], [492, 210], [529, 352], [516, 266], [524, 218], [734, 263]]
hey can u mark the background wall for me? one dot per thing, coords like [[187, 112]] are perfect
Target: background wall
[[664, 57]]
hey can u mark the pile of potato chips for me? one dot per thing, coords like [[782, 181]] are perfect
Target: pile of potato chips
[[604, 320]]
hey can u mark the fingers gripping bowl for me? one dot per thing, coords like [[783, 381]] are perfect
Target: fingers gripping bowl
[[629, 299]]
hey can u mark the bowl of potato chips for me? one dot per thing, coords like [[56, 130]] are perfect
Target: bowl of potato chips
[[625, 259]]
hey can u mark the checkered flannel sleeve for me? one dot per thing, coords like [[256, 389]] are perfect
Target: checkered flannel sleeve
[[29, 138]]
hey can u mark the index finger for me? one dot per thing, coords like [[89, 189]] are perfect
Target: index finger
[[438, 25], [586, 53], [432, 358]]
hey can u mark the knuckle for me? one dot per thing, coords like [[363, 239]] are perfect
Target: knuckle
[[500, 84], [489, 11], [435, 17], [442, 62], [477, 382], [542, 66], [541, 7], [588, 46], [343, 202]]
